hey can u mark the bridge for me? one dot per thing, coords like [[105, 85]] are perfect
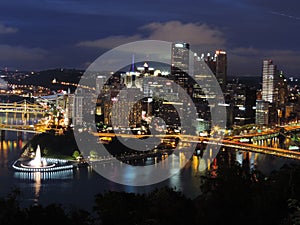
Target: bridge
[[17, 116], [267, 134], [228, 141], [254, 145], [25, 109], [291, 154], [20, 128]]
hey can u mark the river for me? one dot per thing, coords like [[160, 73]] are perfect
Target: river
[[77, 187]]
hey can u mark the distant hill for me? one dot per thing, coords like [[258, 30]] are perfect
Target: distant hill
[[10, 98], [45, 78]]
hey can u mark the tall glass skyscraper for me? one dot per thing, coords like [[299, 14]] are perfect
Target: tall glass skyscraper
[[269, 79], [218, 65], [180, 63], [180, 57], [274, 91], [221, 68]]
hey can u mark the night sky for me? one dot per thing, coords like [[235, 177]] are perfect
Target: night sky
[[46, 34]]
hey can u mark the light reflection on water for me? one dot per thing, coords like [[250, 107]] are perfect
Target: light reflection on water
[[38, 177], [79, 186], [56, 175]]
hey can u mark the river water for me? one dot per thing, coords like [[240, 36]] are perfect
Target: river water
[[77, 187]]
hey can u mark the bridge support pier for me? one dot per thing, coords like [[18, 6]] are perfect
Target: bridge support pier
[[19, 135], [2, 135]]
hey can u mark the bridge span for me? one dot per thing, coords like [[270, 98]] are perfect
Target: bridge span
[[228, 141], [23, 112], [19, 128]]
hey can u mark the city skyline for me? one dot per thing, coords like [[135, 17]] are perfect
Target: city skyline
[[70, 34], [149, 112]]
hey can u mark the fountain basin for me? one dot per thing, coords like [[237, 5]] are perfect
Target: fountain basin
[[41, 164], [53, 165]]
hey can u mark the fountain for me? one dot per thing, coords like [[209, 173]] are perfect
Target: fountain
[[37, 161], [41, 164]]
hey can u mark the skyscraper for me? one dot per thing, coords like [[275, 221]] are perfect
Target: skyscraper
[[218, 65], [100, 82], [76, 108], [130, 79], [180, 63], [274, 91], [269, 78], [221, 68], [262, 112]]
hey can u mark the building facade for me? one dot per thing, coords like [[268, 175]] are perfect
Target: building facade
[[180, 63]]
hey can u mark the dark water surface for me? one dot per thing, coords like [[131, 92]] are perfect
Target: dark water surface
[[77, 187]]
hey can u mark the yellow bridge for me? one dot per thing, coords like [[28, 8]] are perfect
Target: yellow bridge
[[24, 108]]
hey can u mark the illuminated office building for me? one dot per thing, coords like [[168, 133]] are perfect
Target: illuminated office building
[[218, 65], [180, 63], [262, 112], [274, 91], [221, 68], [269, 79]]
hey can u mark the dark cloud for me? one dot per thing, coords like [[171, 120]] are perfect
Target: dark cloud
[[196, 34], [270, 28], [18, 56], [7, 30], [249, 60], [290, 6]]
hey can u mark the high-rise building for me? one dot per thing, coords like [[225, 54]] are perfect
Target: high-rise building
[[221, 68], [241, 99], [75, 105], [262, 112], [127, 109], [100, 82], [281, 90], [205, 73], [180, 63], [274, 91], [131, 78], [204, 89], [269, 79], [218, 65], [180, 57]]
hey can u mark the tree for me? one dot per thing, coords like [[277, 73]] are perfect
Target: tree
[[76, 154], [93, 154]]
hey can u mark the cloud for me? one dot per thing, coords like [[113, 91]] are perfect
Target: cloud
[[286, 60], [274, 54], [241, 58], [193, 33], [110, 42], [250, 51], [7, 30], [19, 53]]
